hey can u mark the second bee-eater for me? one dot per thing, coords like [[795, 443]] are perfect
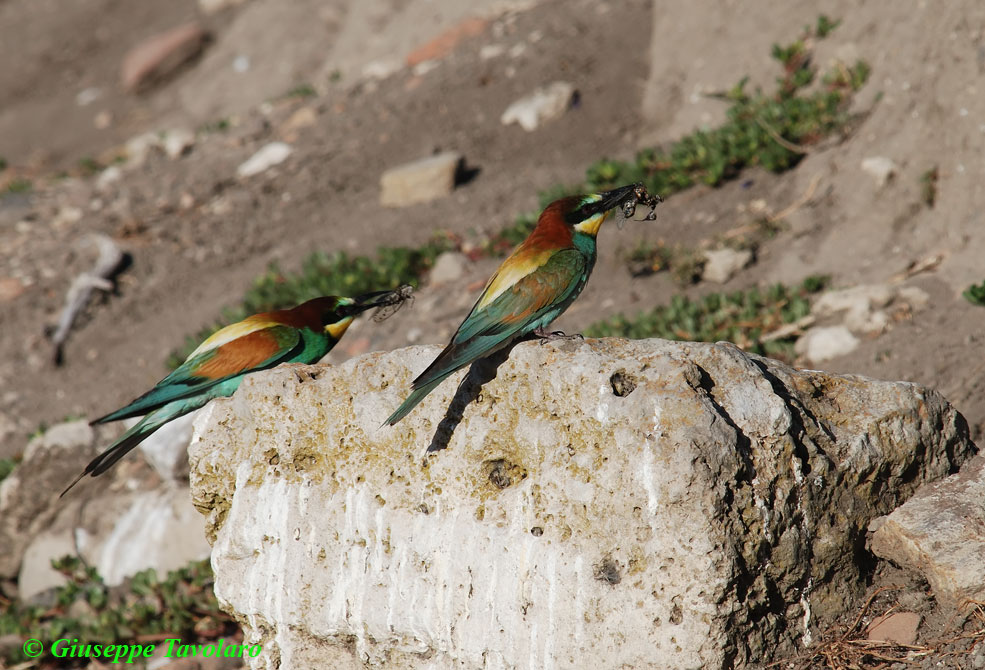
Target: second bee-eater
[[216, 368], [532, 287]]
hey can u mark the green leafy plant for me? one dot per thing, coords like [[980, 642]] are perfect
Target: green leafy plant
[[180, 605], [769, 130], [684, 263], [89, 166], [217, 126], [301, 91], [743, 317], [975, 294], [7, 466], [928, 187], [20, 185]]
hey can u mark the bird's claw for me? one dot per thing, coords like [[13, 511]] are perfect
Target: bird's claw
[[546, 336], [305, 374]]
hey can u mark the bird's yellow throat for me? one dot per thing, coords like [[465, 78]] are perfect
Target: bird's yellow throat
[[590, 226]]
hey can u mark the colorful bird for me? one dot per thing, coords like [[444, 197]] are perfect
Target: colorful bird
[[532, 287], [216, 368]]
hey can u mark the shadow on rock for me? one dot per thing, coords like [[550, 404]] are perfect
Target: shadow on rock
[[481, 372]]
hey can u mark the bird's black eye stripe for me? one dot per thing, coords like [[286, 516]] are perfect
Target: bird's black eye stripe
[[584, 212]]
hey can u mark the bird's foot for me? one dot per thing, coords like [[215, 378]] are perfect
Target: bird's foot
[[546, 336]]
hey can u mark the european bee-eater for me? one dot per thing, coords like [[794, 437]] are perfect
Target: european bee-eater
[[532, 287], [216, 368]]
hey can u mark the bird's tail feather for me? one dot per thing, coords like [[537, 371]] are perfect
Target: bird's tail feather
[[416, 396], [120, 448]]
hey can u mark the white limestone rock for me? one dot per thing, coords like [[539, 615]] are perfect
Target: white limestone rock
[[602, 504], [265, 158], [879, 168], [167, 448], [822, 343], [723, 264], [449, 267], [120, 534], [29, 495], [543, 105]]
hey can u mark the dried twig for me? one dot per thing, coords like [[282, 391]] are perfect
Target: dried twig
[[786, 144], [926, 264], [793, 207], [110, 259], [789, 329]]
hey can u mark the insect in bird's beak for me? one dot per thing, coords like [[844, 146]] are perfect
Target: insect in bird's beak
[[639, 197], [393, 302]]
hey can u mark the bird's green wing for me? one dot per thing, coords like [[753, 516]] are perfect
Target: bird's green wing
[[255, 350], [533, 300]]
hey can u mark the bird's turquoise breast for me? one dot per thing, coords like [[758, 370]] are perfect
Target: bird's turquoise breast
[[316, 345]]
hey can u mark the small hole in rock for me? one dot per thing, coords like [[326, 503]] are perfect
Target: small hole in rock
[[622, 383]]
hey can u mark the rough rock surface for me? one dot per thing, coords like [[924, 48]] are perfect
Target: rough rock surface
[[603, 504], [29, 496], [118, 533], [940, 533]]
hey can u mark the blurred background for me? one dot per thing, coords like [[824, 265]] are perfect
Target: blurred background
[[168, 167]]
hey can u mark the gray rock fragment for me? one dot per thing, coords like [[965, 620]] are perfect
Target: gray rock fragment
[[940, 533], [420, 181]]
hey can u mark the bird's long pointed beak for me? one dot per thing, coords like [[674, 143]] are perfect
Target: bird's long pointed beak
[[616, 197]]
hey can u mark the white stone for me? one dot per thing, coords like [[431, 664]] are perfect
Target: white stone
[[449, 267], [70, 435], [880, 167], [938, 533], [137, 148], [862, 307], [822, 343], [66, 216], [87, 96], [119, 535], [382, 68], [178, 142], [214, 6], [544, 104], [914, 296], [421, 181], [167, 449], [160, 529], [29, 495], [862, 298], [36, 574], [596, 505], [268, 156], [424, 67], [722, 264], [108, 177], [490, 51]]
